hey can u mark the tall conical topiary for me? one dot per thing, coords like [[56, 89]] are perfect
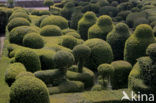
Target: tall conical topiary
[[102, 27], [137, 43], [88, 19], [116, 38]]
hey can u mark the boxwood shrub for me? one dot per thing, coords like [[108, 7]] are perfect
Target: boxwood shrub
[[121, 71], [51, 30], [12, 71], [40, 20], [74, 34], [23, 74], [19, 14], [29, 58], [29, 89]]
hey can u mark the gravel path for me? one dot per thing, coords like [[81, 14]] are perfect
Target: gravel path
[[2, 38]]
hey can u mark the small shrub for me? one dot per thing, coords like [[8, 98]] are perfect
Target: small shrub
[[27, 87], [40, 20], [48, 3], [17, 22], [23, 74], [44, 12], [101, 52], [68, 30], [100, 30], [154, 30], [150, 51], [120, 69], [102, 3], [12, 71], [88, 19], [124, 14], [91, 7], [29, 58], [55, 20], [108, 10], [74, 34], [33, 40], [50, 30], [19, 14]]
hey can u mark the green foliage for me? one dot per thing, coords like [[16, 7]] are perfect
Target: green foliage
[[50, 30], [23, 74], [19, 14], [121, 70], [33, 40], [100, 30], [12, 71], [29, 58], [102, 3], [108, 10], [137, 43], [96, 87], [17, 22], [68, 30], [151, 51], [44, 12], [105, 70], [29, 89], [48, 3], [101, 52], [74, 34], [16, 35], [55, 20], [50, 77], [124, 14], [88, 19], [117, 38], [40, 20], [91, 7]]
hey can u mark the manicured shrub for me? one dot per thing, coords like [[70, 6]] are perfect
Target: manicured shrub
[[44, 12], [81, 53], [137, 43], [17, 22], [48, 3], [100, 30], [102, 3], [97, 87], [50, 30], [105, 71], [69, 42], [19, 14], [74, 34], [50, 77], [153, 24], [29, 58], [121, 70], [29, 90], [108, 10], [35, 12], [76, 16], [91, 7], [23, 74], [68, 30], [123, 14], [12, 71], [55, 20], [101, 52], [33, 40], [151, 51], [114, 3], [16, 35], [40, 20], [88, 19], [125, 6], [139, 21], [86, 76], [117, 38]]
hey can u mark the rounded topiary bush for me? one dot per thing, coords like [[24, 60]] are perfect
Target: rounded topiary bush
[[55, 20], [64, 31], [121, 70], [33, 40], [12, 71], [29, 90], [117, 38], [101, 52], [40, 20], [137, 43], [17, 22], [19, 14], [74, 34], [88, 19], [100, 30], [29, 58], [23, 74], [50, 30], [151, 51], [16, 35]]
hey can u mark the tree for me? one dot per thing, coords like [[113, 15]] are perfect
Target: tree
[[48, 3]]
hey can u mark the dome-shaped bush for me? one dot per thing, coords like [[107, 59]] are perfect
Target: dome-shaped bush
[[12, 71], [151, 51], [100, 30], [105, 70], [50, 30], [121, 70], [55, 20], [29, 58], [74, 34], [19, 14], [16, 35], [137, 43], [109, 10], [29, 90], [101, 52], [64, 31], [117, 38], [23, 74], [17, 22], [40, 20], [88, 19], [33, 40], [63, 59]]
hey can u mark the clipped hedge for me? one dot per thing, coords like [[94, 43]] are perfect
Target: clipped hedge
[[29, 90], [19, 14], [23, 74], [50, 30], [12, 71], [16, 22], [40, 20], [55, 20], [101, 52], [137, 43], [29, 58], [74, 34], [117, 38], [100, 30], [121, 70], [33, 40]]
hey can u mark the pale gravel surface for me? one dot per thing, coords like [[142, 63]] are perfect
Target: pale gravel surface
[[1, 44]]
